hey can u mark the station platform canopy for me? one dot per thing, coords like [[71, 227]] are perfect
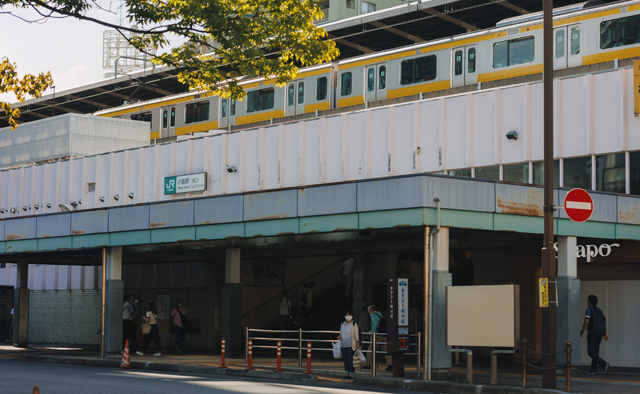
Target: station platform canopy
[[413, 22]]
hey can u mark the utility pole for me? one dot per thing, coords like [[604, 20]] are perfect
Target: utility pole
[[548, 258]]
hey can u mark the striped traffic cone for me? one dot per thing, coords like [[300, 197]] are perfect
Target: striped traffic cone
[[125, 363]]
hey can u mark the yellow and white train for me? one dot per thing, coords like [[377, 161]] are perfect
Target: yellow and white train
[[584, 34]]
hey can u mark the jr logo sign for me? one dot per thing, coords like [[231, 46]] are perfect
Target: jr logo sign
[[170, 185]]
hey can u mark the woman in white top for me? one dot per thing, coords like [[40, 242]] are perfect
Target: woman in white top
[[154, 334], [349, 342]]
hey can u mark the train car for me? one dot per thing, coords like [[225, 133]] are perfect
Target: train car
[[584, 34], [193, 112]]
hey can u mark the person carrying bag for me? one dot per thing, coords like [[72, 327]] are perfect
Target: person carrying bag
[[350, 342], [153, 334]]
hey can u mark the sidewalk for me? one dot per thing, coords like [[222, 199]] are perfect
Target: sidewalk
[[325, 368]]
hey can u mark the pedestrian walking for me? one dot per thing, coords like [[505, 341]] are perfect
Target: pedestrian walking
[[285, 310], [596, 325], [154, 334], [180, 321], [349, 342], [133, 310]]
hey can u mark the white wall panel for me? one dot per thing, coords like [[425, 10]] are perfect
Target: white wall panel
[[254, 159], [290, 147], [332, 150], [165, 168], [377, 158], [271, 162], [456, 132], [51, 276], [537, 122], [234, 156], [483, 133], [355, 143], [428, 121], [215, 157], [76, 278], [404, 154], [571, 119], [514, 117], [606, 113], [311, 154]]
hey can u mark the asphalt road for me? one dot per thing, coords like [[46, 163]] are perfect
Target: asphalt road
[[20, 377]]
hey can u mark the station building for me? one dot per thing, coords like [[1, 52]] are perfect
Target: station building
[[286, 204]]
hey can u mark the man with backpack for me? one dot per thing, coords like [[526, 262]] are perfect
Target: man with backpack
[[596, 325], [379, 326]]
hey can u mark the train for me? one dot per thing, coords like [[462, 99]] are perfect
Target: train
[[584, 34]]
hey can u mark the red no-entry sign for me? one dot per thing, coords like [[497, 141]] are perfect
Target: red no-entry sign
[[578, 205]]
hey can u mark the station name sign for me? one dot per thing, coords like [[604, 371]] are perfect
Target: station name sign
[[185, 183]]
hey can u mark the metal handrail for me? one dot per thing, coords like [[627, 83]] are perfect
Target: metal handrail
[[302, 339]]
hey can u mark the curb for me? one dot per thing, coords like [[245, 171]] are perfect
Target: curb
[[444, 387], [166, 367]]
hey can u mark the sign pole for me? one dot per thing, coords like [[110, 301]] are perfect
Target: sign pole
[[548, 260]]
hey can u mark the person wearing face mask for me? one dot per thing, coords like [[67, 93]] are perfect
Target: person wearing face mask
[[349, 342], [179, 320]]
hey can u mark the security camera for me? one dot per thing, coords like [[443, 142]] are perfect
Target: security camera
[[512, 135], [116, 197], [49, 205], [67, 207], [131, 195], [231, 169], [37, 206], [101, 198]]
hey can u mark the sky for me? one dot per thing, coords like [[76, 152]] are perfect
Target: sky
[[70, 49]]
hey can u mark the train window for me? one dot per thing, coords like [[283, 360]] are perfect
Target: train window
[[514, 52], [290, 94], [371, 79], [165, 118], [620, 32], [300, 92], [457, 62], [260, 100], [173, 116], [382, 77], [232, 110], [224, 108], [196, 112], [471, 60], [575, 40], [560, 43], [345, 84], [321, 88], [143, 117], [418, 70]]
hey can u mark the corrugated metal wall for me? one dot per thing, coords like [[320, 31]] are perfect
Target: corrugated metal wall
[[69, 135], [594, 116]]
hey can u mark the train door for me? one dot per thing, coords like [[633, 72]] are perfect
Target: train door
[[376, 82], [168, 122], [566, 47], [295, 98], [227, 112], [463, 61]]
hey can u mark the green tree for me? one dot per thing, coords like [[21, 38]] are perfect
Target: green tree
[[29, 85], [269, 38]]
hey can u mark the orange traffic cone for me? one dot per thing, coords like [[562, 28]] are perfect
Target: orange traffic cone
[[36, 389], [125, 363]]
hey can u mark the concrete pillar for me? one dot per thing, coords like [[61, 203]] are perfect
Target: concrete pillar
[[232, 304], [569, 316], [441, 278], [114, 298], [358, 283], [20, 334]]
